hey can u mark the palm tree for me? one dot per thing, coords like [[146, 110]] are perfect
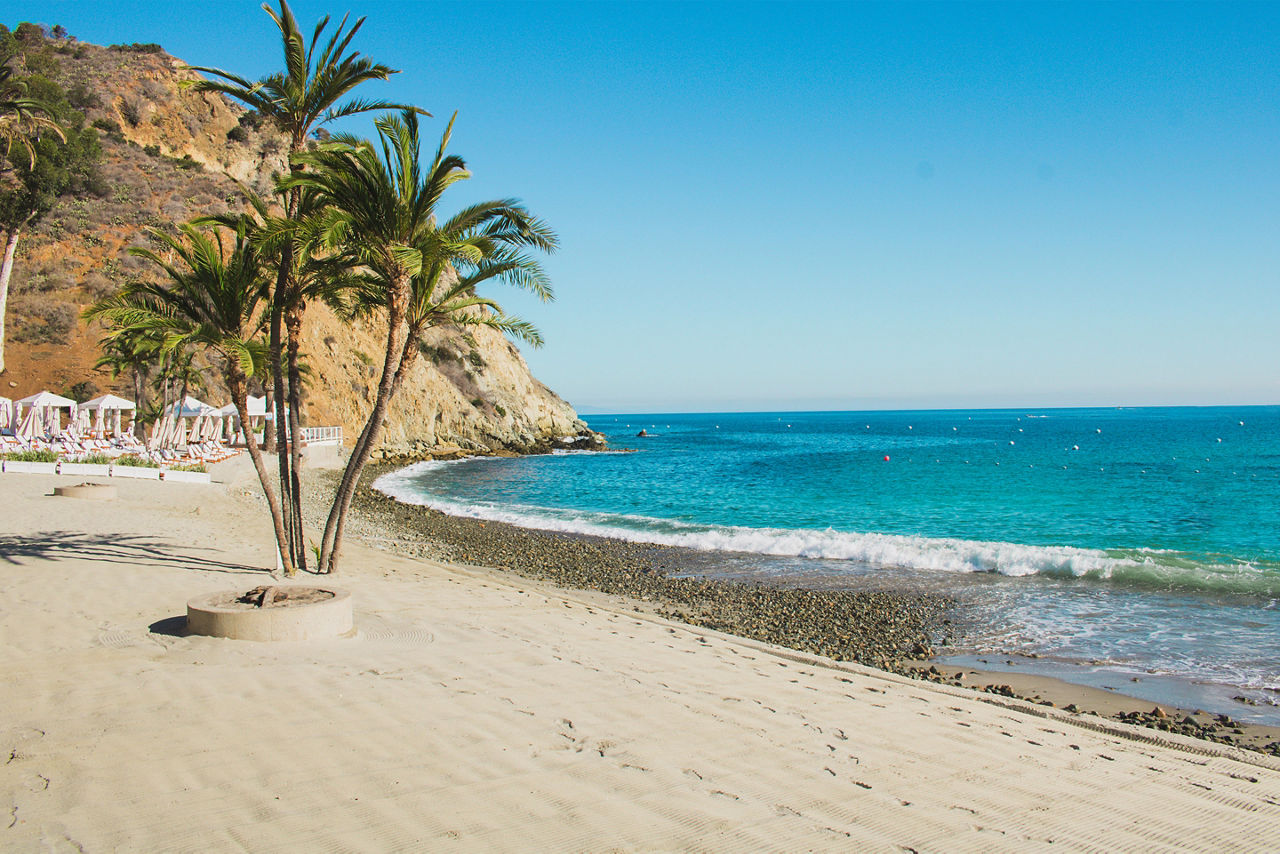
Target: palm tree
[[22, 118], [380, 214], [215, 299], [135, 351], [299, 100]]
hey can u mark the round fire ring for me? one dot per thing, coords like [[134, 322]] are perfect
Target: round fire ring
[[283, 613], [91, 491]]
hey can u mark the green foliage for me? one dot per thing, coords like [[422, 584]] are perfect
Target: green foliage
[[136, 47], [111, 128], [81, 97], [151, 150], [363, 357], [238, 134], [498, 408], [196, 467], [97, 458], [476, 359], [39, 455], [129, 110], [82, 391], [136, 461], [29, 34], [69, 168]]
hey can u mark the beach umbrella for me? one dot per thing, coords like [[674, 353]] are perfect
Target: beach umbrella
[[6, 414], [27, 428], [227, 421], [189, 408], [163, 432]]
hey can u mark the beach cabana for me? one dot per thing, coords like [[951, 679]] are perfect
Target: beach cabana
[[106, 410], [171, 430], [44, 409], [257, 408]]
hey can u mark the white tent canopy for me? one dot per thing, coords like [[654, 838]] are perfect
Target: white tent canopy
[[107, 401], [257, 409], [171, 430], [44, 413], [190, 408], [104, 407]]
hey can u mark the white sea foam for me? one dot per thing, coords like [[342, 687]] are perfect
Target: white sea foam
[[886, 550]]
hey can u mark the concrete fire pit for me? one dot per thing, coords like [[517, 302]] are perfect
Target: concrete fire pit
[[284, 613], [91, 491]]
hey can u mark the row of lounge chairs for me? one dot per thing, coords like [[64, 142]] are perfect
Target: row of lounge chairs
[[72, 447]]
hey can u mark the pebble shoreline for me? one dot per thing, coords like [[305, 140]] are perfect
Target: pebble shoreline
[[894, 630]]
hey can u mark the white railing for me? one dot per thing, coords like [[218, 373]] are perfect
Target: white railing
[[322, 435]]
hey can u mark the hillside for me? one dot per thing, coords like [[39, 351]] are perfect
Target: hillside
[[169, 155]]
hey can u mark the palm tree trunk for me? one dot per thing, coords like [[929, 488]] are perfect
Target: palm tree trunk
[[268, 432], [139, 402], [281, 402], [6, 270], [293, 329], [291, 431], [397, 332], [408, 356], [240, 397]]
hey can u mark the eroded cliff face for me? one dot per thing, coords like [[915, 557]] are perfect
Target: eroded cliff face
[[170, 154], [469, 392]]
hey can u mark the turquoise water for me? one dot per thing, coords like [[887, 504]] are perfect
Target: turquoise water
[[1131, 540]]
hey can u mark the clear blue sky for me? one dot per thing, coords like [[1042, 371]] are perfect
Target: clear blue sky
[[846, 206]]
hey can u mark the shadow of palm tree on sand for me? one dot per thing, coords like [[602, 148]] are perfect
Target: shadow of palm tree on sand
[[117, 548]]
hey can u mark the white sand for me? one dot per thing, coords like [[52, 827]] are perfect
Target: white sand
[[475, 711]]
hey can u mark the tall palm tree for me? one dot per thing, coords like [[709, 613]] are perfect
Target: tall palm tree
[[380, 214], [299, 100], [22, 118], [215, 299]]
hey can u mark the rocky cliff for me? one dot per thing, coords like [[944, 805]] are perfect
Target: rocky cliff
[[170, 154]]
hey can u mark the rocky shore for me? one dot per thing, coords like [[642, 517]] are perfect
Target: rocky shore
[[894, 630]]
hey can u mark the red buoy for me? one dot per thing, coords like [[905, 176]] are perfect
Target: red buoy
[[886, 459]]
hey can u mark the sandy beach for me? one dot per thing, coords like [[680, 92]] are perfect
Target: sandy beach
[[476, 710]]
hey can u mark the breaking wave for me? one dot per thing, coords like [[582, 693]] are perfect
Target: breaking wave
[[1145, 568]]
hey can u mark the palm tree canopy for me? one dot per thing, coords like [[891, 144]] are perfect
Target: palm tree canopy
[[377, 206], [306, 94], [214, 296], [378, 203], [22, 118]]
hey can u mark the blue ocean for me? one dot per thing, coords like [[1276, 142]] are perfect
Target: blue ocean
[[1132, 549]]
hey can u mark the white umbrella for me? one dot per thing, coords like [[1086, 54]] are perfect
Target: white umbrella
[[189, 408], [6, 413], [26, 428]]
